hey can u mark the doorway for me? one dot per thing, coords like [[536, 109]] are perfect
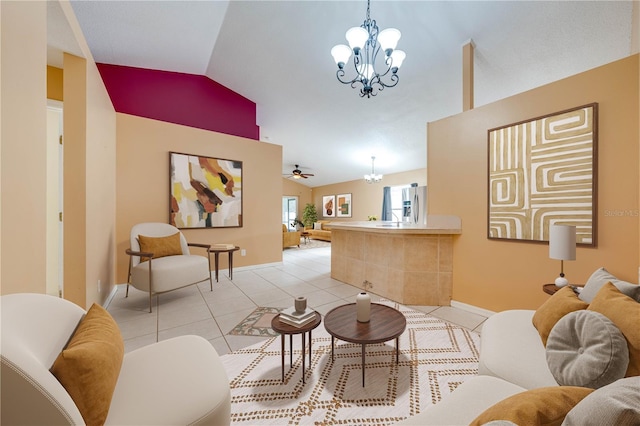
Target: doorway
[[54, 226]]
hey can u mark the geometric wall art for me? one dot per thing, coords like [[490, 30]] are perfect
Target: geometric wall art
[[543, 172], [205, 192], [343, 205]]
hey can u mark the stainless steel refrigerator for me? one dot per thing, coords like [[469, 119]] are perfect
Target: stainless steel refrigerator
[[414, 205]]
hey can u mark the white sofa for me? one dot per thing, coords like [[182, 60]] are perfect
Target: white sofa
[[513, 360], [175, 381]]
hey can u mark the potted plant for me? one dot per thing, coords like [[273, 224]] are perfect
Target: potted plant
[[309, 215], [297, 223]]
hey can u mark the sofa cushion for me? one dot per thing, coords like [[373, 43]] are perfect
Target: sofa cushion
[[542, 406], [585, 348], [317, 226], [178, 381], [465, 403], [509, 343], [625, 314], [557, 306], [90, 365], [614, 404], [599, 278], [160, 246]]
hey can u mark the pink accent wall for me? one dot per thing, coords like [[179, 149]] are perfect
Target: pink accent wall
[[187, 99]]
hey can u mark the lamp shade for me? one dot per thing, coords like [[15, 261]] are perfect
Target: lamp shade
[[562, 242], [357, 37], [398, 57], [389, 38], [341, 53]]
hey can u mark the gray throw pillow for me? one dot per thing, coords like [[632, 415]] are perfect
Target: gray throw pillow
[[599, 278], [586, 349], [614, 404]]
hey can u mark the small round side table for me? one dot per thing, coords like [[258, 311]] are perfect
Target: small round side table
[[285, 329]]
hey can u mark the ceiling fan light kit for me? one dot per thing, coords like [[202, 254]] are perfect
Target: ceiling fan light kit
[[297, 173], [365, 42]]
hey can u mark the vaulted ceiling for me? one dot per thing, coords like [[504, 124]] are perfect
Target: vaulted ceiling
[[277, 54]]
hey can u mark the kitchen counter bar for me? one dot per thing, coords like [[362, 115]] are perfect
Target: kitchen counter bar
[[410, 264]]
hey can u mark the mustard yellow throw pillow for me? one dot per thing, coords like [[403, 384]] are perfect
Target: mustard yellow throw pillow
[[624, 312], [535, 407], [89, 366], [160, 246], [560, 304]]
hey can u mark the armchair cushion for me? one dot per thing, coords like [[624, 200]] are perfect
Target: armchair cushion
[[160, 246], [171, 272], [89, 366]]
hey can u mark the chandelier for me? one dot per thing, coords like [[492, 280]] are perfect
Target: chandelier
[[373, 177], [365, 42]]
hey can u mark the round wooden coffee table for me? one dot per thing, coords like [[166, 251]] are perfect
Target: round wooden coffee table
[[285, 329], [386, 323]]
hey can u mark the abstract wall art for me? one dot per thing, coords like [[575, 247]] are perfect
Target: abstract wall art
[[205, 192], [343, 205], [543, 172], [329, 206]]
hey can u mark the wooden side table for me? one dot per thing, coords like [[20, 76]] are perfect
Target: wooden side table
[[285, 329], [552, 288], [217, 251], [386, 323], [305, 236]]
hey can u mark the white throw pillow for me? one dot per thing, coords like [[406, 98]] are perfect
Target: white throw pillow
[[599, 278], [317, 226]]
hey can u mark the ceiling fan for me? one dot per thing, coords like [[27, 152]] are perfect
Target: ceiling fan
[[297, 173]]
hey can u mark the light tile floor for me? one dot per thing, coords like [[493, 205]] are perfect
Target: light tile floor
[[212, 314]]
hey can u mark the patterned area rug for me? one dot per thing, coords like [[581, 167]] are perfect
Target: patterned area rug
[[258, 323], [435, 357], [310, 244]]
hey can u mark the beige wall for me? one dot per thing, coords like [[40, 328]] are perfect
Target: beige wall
[[23, 61], [142, 186], [89, 121], [294, 189], [366, 198], [498, 275]]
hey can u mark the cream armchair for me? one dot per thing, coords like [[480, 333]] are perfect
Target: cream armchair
[[160, 260], [175, 381]]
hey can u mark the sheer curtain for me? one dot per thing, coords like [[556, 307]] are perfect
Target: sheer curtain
[[386, 203]]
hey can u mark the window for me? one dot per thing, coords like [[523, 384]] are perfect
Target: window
[[289, 211], [396, 201]]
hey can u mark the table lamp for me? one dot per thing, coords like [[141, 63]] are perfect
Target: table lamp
[[562, 246]]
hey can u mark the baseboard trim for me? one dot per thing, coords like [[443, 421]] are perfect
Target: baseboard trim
[[110, 297], [473, 309], [250, 267]]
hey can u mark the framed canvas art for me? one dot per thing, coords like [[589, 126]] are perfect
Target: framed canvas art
[[205, 192], [543, 172], [328, 206], [343, 205]]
